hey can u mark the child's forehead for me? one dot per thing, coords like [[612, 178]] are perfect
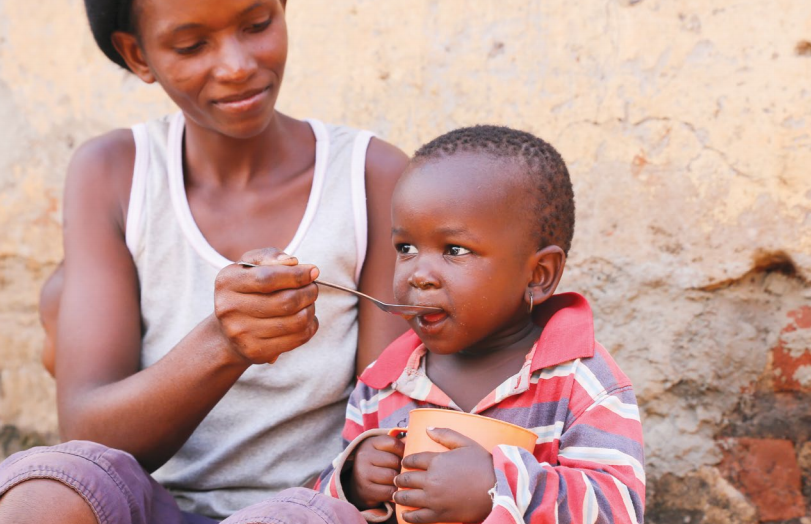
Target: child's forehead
[[497, 176], [486, 183]]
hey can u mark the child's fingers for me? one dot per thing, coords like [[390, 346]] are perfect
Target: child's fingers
[[449, 438], [382, 476], [374, 494], [413, 498], [422, 515], [419, 460], [390, 444], [411, 480], [384, 459]]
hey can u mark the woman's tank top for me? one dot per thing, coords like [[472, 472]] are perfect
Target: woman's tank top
[[280, 424]]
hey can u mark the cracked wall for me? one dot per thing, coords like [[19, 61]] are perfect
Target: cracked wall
[[687, 130]]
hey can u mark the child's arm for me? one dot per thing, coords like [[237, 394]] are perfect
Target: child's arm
[[364, 472], [600, 476]]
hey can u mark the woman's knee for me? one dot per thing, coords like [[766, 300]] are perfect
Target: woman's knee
[[40, 500], [110, 482], [298, 506]]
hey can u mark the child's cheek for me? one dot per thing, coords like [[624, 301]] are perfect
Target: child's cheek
[[400, 284]]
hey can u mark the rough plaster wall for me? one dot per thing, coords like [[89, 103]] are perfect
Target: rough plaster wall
[[686, 126]]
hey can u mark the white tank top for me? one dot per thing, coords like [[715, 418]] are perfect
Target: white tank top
[[280, 424]]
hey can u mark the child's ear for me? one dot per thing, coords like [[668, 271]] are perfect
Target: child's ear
[[130, 50], [546, 273]]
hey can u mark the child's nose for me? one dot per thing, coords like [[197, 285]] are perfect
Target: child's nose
[[423, 278]]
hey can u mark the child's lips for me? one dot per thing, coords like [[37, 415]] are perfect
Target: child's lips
[[433, 317], [432, 322]]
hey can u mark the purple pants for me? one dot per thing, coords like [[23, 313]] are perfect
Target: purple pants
[[120, 492]]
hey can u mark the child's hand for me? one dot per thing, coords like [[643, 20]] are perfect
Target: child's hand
[[453, 486], [377, 462]]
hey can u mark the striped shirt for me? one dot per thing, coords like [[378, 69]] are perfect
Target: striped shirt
[[588, 461]]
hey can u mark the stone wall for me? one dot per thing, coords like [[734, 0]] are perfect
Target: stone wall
[[687, 129]]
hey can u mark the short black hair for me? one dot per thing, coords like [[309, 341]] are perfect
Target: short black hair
[[553, 207], [107, 17]]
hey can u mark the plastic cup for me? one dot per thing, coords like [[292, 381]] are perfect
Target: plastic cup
[[487, 432]]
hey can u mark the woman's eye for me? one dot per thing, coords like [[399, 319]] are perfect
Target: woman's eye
[[456, 251], [407, 249], [190, 49], [259, 27]]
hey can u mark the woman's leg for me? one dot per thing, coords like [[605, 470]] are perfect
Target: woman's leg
[[81, 483], [27, 503], [298, 506]]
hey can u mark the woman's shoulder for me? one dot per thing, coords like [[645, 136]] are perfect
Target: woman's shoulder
[[103, 166], [106, 154]]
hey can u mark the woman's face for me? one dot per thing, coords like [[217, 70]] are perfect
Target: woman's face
[[220, 61]]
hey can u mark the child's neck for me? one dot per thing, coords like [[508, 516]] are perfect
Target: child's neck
[[469, 375]]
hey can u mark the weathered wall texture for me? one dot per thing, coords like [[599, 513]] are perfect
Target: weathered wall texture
[[687, 129]]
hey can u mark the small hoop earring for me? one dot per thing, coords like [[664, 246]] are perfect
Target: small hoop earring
[[530, 302]]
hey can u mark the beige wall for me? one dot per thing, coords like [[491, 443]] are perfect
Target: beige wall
[[686, 126]]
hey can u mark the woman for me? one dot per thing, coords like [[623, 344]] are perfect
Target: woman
[[161, 338]]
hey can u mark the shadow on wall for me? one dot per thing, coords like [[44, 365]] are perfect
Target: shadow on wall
[[764, 474]]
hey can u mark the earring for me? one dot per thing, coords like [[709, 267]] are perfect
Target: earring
[[530, 301]]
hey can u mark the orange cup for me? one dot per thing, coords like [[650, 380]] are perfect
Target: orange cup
[[487, 432]]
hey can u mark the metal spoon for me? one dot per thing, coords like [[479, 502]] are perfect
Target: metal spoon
[[395, 309]]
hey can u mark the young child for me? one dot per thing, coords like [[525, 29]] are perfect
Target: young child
[[483, 220]]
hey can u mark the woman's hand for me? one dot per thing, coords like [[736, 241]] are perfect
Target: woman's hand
[[377, 462], [268, 310], [447, 487]]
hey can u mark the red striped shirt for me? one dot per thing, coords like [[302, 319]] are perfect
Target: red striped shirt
[[588, 462]]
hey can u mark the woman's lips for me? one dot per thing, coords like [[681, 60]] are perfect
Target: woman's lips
[[242, 102]]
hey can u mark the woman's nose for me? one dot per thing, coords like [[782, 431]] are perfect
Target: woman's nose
[[235, 62]]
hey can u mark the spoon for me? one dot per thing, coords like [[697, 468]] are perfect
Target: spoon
[[402, 310]]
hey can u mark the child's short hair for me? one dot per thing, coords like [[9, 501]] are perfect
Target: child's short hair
[[107, 17], [554, 207]]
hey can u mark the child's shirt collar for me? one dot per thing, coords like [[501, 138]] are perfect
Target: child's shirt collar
[[568, 334]]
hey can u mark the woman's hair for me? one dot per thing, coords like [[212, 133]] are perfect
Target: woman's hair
[[107, 17]]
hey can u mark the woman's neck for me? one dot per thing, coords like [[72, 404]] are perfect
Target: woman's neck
[[213, 158]]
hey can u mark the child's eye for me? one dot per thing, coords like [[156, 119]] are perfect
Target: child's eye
[[190, 49], [259, 27], [406, 249], [456, 251]]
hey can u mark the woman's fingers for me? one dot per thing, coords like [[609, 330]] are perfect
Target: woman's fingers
[[268, 256], [265, 278], [260, 305], [267, 350]]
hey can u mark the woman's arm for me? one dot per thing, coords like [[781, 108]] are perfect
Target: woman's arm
[[102, 395], [384, 165], [49, 297]]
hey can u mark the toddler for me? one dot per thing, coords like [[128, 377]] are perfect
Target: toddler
[[483, 220]]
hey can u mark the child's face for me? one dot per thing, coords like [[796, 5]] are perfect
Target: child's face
[[221, 62], [464, 244]]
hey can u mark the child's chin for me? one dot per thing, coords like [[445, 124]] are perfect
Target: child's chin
[[441, 347]]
